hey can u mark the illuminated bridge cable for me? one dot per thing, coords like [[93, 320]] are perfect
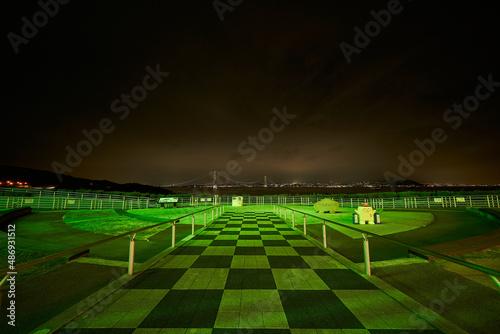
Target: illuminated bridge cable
[[189, 181], [271, 181], [253, 182]]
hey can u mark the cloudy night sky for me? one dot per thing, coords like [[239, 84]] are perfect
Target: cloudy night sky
[[347, 121]]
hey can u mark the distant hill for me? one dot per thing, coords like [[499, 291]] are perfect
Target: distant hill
[[40, 178], [407, 183]]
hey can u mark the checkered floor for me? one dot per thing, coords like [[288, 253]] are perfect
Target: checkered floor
[[250, 273]]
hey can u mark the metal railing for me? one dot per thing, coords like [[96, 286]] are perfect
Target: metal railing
[[427, 202], [32, 192], [216, 211], [65, 200], [282, 212]]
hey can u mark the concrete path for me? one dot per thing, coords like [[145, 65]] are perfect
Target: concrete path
[[249, 273]]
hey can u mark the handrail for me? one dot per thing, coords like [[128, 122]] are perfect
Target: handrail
[[422, 250], [74, 250]]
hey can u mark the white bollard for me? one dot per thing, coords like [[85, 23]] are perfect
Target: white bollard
[[305, 225], [366, 250], [192, 232], [131, 255], [173, 235], [324, 235]]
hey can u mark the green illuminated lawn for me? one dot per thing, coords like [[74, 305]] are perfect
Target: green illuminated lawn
[[392, 222], [115, 222]]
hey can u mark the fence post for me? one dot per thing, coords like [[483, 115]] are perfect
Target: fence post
[[131, 255], [293, 218], [212, 214], [173, 235], [193, 227], [305, 226], [366, 251], [205, 222], [285, 214], [324, 235]]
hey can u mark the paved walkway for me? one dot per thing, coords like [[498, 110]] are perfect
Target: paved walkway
[[249, 273]]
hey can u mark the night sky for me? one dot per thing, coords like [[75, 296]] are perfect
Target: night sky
[[176, 92]]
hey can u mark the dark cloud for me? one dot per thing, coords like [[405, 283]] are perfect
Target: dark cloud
[[353, 120]]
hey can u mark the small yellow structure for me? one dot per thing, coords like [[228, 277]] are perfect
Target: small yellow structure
[[326, 205], [365, 214], [238, 201]]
